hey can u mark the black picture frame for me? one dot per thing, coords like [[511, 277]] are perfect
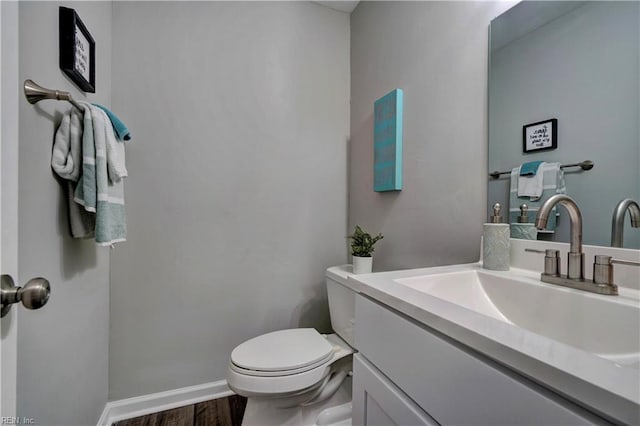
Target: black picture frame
[[540, 136], [75, 40]]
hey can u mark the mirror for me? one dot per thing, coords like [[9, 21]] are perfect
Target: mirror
[[578, 63]]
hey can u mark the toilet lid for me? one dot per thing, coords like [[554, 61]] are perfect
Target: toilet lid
[[282, 350]]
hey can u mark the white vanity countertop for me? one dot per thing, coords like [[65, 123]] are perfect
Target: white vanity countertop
[[592, 381]]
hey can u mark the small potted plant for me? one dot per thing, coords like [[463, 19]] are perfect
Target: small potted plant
[[361, 249]]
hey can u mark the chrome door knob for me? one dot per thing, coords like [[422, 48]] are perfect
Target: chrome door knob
[[34, 295]]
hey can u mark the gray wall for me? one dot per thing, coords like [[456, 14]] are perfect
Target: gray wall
[[62, 374], [236, 196], [437, 53], [583, 69]]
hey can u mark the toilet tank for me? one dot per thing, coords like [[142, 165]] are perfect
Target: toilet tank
[[342, 302]]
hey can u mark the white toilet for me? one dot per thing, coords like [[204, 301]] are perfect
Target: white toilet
[[298, 367]]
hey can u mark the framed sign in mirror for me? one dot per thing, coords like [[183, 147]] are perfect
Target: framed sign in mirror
[[540, 136], [77, 50]]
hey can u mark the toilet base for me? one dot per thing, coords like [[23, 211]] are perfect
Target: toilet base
[[339, 415], [262, 412]]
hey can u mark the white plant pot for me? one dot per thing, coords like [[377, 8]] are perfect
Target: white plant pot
[[362, 265]]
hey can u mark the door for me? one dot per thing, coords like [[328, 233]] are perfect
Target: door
[[9, 92]]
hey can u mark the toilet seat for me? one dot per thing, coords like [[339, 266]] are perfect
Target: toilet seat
[[282, 352], [260, 373], [297, 374]]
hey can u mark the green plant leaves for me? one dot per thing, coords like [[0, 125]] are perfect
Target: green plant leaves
[[362, 242]]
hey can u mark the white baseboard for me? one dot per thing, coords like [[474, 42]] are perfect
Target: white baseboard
[[147, 404]]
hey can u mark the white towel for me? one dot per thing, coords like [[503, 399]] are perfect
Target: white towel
[[66, 161], [65, 158], [530, 186], [115, 149]]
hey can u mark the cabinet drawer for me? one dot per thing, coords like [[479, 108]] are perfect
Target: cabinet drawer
[[376, 401], [448, 382]]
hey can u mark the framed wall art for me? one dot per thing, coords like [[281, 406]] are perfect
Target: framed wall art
[[540, 136], [77, 50]]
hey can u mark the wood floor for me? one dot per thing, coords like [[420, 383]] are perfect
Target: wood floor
[[218, 412]]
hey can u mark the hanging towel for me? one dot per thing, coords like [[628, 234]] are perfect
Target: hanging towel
[[95, 190], [66, 162], [530, 168], [530, 184], [553, 183], [119, 127], [81, 222], [115, 152], [65, 157]]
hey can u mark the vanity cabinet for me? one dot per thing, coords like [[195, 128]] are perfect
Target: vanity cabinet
[[380, 402], [413, 374]]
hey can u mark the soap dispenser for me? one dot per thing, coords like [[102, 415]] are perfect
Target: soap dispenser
[[495, 242], [524, 230]]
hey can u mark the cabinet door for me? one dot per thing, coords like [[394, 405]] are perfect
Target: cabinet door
[[378, 402]]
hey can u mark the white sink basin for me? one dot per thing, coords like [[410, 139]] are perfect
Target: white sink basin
[[606, 326]]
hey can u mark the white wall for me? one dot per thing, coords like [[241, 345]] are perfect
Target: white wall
[[583, 69], [62, 376], [237, 197], [437, 53]]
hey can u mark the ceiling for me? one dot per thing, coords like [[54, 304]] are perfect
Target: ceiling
[[343, 6]]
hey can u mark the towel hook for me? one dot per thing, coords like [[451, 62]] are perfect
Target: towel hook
[[36, 93]]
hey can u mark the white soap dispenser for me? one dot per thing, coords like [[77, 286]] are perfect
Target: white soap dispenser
[[524, 230], [495, 242]]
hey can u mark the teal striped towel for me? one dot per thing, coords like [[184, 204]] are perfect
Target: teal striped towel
[[552, 183], [100, 188]]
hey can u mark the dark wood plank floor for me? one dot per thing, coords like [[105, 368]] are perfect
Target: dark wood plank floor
[[218, 412]]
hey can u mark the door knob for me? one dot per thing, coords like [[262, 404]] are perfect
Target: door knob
[[34, 295]]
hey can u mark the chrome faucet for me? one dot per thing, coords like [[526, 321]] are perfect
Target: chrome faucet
[[617, 222], [575, 262], [602, 267]]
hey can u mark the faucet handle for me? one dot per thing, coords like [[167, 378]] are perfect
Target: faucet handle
[[530, 250], [625, 262], [551, 260], [602, 269]]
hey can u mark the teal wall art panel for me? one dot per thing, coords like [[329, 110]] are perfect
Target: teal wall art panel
[[387, 140]]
